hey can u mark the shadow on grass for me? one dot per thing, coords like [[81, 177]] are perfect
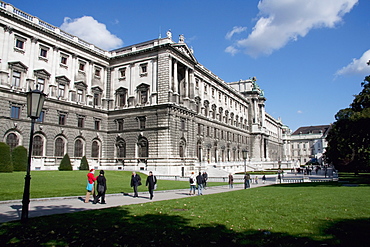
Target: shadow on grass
[[116, 227]]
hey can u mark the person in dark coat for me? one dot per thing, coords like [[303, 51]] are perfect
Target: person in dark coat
[[205, 178], [247, 178], [135, 182], [101, 188], [151, 182], [200, 182]]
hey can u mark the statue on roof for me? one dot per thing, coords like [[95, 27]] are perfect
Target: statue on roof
[[181, 38], [169, 34]]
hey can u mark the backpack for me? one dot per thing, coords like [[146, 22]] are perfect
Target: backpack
[[191, 180]]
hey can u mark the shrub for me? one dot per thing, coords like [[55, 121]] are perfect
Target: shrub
[[65, 164], [20, 158], [84, 164], [5, 158]]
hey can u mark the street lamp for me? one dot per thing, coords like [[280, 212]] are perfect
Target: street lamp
[[35, 102], [245, 157]]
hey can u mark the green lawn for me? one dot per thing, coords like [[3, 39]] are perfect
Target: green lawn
[[46, 184], [309, 214]]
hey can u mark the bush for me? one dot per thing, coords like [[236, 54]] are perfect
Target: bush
[[65, 164], [20, 158], [84, 164], [5, 158]]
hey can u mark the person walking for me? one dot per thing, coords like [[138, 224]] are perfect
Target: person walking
[[101, 187], [247, 178], [135, 182], [151, 182], [200, 182], [193, 183], [231, 181], [256, 179], [90, 185], [205, 178], [264, 179]]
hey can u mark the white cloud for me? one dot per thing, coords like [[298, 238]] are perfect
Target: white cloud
[[90, 30], [232, 50], [358, 66], [299, 112], [234, 31], [282, 21]]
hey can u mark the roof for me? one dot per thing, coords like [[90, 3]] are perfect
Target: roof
[[323, 129]]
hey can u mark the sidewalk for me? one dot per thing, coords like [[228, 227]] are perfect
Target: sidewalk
[[11, 210]]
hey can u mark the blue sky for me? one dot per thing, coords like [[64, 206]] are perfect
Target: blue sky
[[309, 56]]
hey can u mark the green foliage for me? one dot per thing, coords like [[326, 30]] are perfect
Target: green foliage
[[6, 164], [349, 138], [20, 158], [84, 164], [65, 164]]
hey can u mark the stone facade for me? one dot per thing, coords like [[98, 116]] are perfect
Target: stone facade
[[149, 106]]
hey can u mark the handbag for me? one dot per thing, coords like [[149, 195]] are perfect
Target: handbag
[[155, 186]]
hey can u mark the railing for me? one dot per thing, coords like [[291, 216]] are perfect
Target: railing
[[22, 14]]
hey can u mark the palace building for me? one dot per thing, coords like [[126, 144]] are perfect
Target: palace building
[[148, 106]]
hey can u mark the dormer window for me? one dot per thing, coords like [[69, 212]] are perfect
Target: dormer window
[[143, 69], [97, 72], [81, 66]]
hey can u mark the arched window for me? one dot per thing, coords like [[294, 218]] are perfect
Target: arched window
[[79, 148], [95, 149], [121, 147], [12, 140], [38, 146], [143, 147], [59, 147]]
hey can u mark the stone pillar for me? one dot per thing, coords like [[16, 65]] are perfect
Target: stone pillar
[[175, 83]]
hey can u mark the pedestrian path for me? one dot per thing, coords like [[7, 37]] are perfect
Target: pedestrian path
[[11, 210]]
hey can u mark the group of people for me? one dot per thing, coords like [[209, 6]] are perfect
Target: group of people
[[199, 182], [151, 182]]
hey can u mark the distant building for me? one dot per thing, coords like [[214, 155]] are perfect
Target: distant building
[[308, 144], [148, 106]]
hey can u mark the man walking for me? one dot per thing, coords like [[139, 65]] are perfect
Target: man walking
[[247, 178], [135, 182], [200, 182]]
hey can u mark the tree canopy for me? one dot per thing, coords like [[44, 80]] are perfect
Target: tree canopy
[[349, 138]]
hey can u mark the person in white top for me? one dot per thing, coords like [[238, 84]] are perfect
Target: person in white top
[[193, 183]]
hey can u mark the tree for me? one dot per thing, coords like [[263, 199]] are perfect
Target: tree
[[84, 164], [19, 158], [5, 158], [65, 164], [349, 138]]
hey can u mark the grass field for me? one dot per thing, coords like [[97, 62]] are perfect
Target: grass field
[[46, 184], [309, 214]]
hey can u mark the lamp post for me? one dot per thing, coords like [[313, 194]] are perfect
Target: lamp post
[[245, 157], [35, 102]]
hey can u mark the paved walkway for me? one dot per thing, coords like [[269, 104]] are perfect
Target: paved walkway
[[11, 210]]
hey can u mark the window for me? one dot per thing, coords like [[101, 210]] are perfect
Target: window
[[61, 90], [122, 73], [80, 94], [19, 43], [43, 52], [97, 124], [62, 119], [182, 148], [96, 99], [81, 66], [16, 79], [97, 72], [143, 93], [12, 140], [38, 146], [63, 60], [144, 69], [143, 147], [59, 147], [15, 112], [95, 149], [142, 121], [183, 124], [119, 124], [121, 147], [40, 84], [41, 117], [80, 121], [78, 148]]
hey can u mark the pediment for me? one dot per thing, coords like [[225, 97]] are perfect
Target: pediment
[[184, 49], [18, 66], [41, 73], [62, 79], [80, 84]]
